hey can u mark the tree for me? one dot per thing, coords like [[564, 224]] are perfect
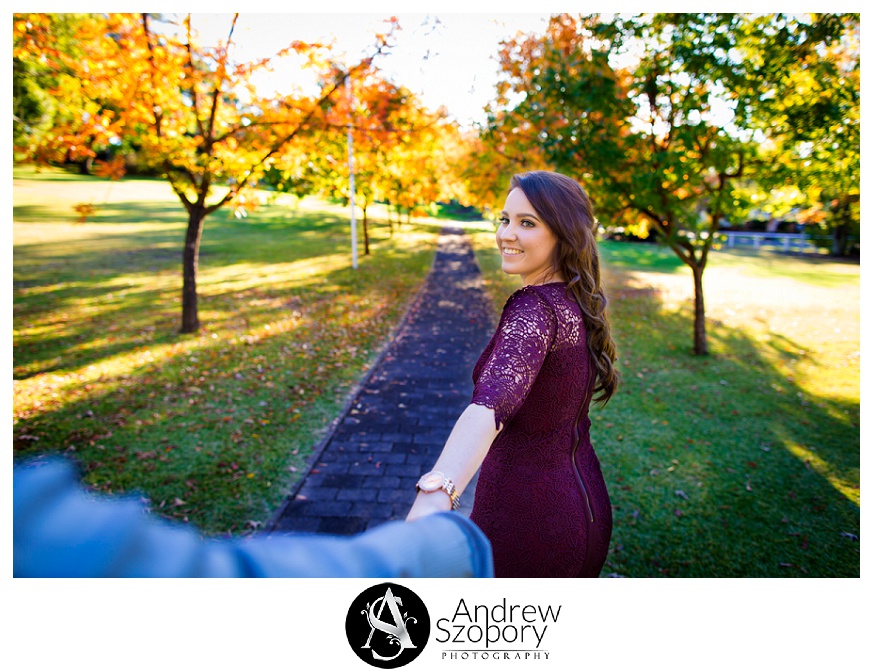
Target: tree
[[487, 156], [69, 86], [401, 149], [417, 163], [198, 118], [655, 114], [381, 114], [807, 77]]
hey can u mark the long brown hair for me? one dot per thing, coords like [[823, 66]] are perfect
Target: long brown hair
[[565, 208]]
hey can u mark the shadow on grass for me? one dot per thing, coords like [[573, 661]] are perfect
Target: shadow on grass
[[131, 284], [766, 263], [163, 431], [109, 213], [722, 465], [646, 256], [211, 428]]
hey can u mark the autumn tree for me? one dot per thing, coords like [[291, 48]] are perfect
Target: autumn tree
[[69, 86], [402, 150], [197, 116], [654, 114], [380, 114], [413, 179], [488, 155]]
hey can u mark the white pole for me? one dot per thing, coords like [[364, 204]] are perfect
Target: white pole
[[352, 176]]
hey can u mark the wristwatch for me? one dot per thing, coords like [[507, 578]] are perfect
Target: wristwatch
[[433, 481]]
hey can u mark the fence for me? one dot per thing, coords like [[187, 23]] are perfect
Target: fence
[[787, 241]]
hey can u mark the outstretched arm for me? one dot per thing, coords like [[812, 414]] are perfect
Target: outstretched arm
[[524, 336], [461, 457], [62, 530]]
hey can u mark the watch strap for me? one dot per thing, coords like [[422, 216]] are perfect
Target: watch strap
[[447, 486]]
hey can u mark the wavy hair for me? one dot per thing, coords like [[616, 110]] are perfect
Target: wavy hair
[[566, 210]]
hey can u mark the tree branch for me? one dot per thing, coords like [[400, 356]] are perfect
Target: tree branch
[[157, 112], [216, 92], [195, 96]]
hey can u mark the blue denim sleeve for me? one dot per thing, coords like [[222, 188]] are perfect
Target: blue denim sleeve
[[61, 530]]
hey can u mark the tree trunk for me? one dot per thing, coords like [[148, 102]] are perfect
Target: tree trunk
[[190, 255], [700, 346], [366, 232], [840, 240]]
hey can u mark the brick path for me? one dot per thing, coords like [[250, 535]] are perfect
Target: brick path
[[364, 472]]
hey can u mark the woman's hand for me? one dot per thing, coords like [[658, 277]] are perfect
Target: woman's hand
[[461, 457], [428, 503]]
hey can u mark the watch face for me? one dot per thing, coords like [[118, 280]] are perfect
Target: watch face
[[430, 482]]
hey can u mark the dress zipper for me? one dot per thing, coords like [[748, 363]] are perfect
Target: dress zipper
[[579, 475], [578, 438]]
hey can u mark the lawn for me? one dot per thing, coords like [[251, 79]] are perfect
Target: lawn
[[213, 428], [745, 462], [742, 463]]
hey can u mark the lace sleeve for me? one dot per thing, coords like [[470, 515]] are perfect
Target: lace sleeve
[[527, 329]]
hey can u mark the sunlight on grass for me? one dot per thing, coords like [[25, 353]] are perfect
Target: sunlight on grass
[[851, 490], [224, 420], [245, 276], [52, 391], [645, 256], [820, 345]]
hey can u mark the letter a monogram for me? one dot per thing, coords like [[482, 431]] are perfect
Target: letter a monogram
[[396, 632], [388, 611]]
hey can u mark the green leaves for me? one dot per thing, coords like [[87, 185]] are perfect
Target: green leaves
[[680, 124]]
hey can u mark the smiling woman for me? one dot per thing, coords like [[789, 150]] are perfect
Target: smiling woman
[[526, 243], [541, 498]]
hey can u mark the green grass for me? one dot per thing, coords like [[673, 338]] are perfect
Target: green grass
[[213, 428], [745, 462], [742, 463]]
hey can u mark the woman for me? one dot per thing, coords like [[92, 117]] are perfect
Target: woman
[[541, 499]]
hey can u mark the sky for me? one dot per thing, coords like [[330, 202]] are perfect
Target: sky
[[446, 58]]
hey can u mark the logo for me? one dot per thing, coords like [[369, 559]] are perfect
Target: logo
[[499, 631], [387, 625]]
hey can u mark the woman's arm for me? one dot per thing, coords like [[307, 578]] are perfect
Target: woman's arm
[[524, 337], [461, 457]]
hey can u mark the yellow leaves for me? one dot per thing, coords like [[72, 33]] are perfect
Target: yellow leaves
[[640, 228]]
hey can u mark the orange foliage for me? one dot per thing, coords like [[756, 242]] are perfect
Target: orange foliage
[[113, 169]]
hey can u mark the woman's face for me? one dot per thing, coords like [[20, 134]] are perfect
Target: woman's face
[[525, 242]]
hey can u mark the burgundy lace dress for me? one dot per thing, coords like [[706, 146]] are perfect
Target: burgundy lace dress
[[541, 499]]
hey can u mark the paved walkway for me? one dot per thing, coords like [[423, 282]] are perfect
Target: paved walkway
[[364, 473]]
